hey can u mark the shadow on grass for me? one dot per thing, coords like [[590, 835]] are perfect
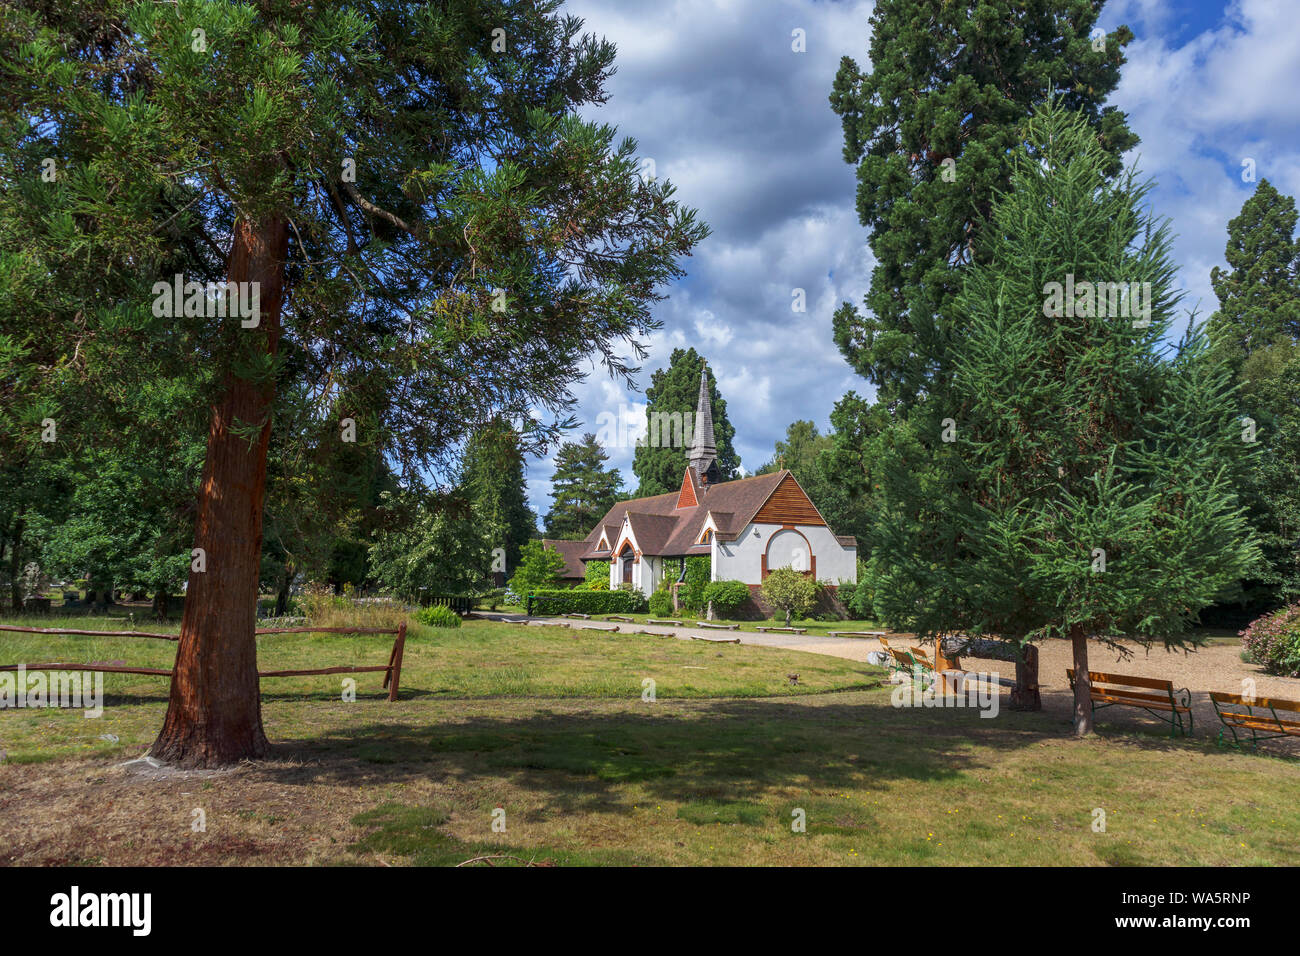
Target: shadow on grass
[[712, 749]]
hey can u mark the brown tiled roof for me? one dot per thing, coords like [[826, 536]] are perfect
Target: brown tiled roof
[[661, 528], [571, 551], [848, 540]]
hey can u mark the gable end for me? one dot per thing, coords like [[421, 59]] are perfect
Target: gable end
[[787, 504]]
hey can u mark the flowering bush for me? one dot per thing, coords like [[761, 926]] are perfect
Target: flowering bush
[[1273, 641]]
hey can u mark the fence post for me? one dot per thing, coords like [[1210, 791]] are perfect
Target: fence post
[[395, 670], [528, 610]]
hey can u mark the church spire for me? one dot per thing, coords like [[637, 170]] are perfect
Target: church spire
[[703, 453]]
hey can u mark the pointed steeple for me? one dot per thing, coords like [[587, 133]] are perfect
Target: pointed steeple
[[703, 453]]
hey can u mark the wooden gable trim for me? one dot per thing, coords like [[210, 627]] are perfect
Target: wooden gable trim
[[788, 504], [686, 497]]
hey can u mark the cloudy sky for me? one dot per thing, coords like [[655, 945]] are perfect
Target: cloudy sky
[[740, 123]]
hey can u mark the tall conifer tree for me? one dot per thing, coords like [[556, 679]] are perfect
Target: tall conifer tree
[[431, 227], [1073, 482], [660, 462], [583, 490]]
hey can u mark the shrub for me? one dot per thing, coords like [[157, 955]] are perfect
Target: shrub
[[1273, 641], [661, 604], [791, 591], [726, 596], [435, 615], [596, 577], [588, 602], [860, 598]]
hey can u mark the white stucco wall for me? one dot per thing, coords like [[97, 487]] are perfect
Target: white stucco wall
[[742, 559]]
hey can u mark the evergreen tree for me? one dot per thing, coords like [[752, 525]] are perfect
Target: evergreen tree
[[1259, 292], [1256, 330], [494, 482], [582, 489], [660, 462], [435, 235], [1072, 482], [930, 127]]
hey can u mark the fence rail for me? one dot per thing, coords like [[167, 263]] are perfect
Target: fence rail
[[392, 670]]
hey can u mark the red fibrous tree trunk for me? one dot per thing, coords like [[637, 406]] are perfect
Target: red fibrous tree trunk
[[214, 716], [1082, 683]]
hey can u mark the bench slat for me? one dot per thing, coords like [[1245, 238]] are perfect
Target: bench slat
[[1273, 702], [1152, 703], [1099, 678]]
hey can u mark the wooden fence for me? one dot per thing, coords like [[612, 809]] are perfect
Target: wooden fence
[[392, 670], [459, 603]]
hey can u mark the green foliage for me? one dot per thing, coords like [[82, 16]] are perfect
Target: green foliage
[[588, 602], [1257, 331], [725, 596], [790, 591], [1259, 292], [675, 390], [436, 615], [582, 489], [436, 546], [493, 481], [1074, 440], [539, 568], [661, 603], [859, 597], [699, 571], [418, 170], [596, 576], [948, 88], [1273, 642]]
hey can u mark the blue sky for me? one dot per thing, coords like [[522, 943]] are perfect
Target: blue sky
[[741, 125]]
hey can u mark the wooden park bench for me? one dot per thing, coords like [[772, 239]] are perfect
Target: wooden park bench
[[911, 663], [716, 640], [880, 634], [783, 630], [719, 627], [1259, 715], [657, 621], [615, 617], [1159, 698]]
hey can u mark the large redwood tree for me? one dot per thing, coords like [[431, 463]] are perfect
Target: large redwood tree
[[436, 238]]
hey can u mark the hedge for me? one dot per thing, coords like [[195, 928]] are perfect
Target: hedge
[[587, 602]]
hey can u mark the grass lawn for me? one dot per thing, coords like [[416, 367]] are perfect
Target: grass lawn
[[548, 725]]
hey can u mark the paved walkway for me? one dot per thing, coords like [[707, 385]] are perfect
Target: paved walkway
[[850, 648]]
